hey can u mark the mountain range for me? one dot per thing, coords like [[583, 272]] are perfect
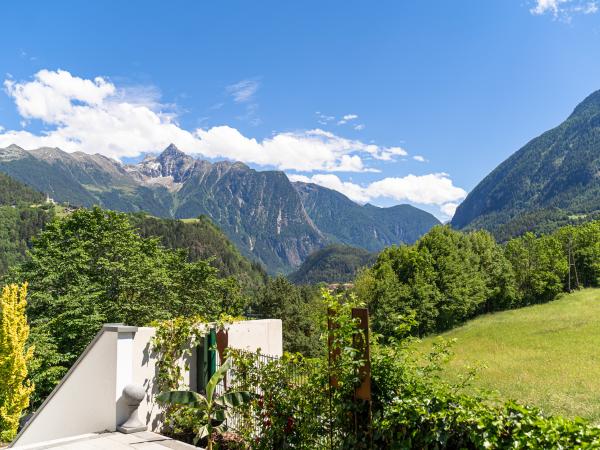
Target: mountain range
[[553, 180], [269, 218]]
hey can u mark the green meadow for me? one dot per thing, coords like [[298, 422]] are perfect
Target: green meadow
[[545, 355]]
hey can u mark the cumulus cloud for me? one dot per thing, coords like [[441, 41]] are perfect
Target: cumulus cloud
[[243, 91], [95, 116], [430, 189], [419, 158], [351, 190], [564, 9], [359, 127]]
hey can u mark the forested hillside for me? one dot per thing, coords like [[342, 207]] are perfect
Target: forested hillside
[[333, 264], [551, 181], [202, 240], [365, 226], [13, 192], [22, 215]]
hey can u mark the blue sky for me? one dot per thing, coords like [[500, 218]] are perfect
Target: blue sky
[[434, 94]]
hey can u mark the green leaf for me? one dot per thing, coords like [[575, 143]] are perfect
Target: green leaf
[[233, 399], [183, 398], [219, 415], [214, 380], [202, 433]]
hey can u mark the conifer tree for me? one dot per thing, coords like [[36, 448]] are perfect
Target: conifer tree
[[15, 388]]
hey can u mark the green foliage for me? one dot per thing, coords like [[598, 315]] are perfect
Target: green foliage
[[13, 193], [540, 266], [295, 406], [17, 227], [15, 355], [210, 411], [203, 241], [439, 419], [333, 264], [448, 276], [444, 279], [583, 243], [173, 341], [21, 217], [300, 309], [92, 267]]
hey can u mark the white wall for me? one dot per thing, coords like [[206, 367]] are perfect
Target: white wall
[[89, 398], [84, 402], [252, 335]]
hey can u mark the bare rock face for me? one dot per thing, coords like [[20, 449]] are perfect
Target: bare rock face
[[172, 163]]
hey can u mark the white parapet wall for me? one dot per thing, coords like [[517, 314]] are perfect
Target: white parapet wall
[[89, 398]]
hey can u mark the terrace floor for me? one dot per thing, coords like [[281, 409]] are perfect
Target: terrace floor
[[144, 440]]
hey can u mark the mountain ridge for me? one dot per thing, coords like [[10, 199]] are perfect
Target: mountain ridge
[[554, 176], [262, 212]]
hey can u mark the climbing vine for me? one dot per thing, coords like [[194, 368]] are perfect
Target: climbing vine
[[172, 345]]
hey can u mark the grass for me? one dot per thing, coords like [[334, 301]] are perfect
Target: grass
[[545, 355]]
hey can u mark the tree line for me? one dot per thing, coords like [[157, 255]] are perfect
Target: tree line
[[448, 276]]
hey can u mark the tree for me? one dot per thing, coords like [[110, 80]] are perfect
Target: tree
[[540, 266], [583, 244], [93, 267], [299, 307], [15, 354]]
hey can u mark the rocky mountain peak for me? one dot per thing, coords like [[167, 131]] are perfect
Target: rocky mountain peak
[[171, 163], [172, 152]]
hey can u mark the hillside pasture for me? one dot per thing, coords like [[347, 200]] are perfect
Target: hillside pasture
[[545, 355]]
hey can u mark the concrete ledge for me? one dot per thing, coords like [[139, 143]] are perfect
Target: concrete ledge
[[119, 328]]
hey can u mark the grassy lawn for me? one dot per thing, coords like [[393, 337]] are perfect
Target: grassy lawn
[[546, 355]]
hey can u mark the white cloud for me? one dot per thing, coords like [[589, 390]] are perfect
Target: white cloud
[[347, 118], [95, 116], [449, 209], [430, 189], [563, 9], [351, 190], [419, 158], [324, 119], [243, 91], [359, 127]]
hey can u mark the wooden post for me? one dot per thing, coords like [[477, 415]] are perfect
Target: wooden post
[[222, 344], [362, 393], [333, 353]]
